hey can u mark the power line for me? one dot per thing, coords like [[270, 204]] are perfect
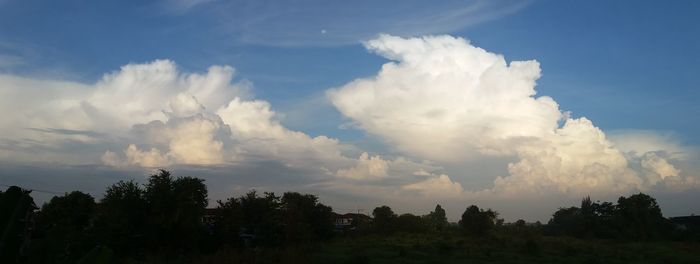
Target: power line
[[35, 190]]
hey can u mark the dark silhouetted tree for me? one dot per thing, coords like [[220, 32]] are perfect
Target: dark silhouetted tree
[[520, 223], [16, 219], [121, 218], [636, 217], [565, 221], [175, 210], [262, 218], [63, 223], [305, 219], [639, 217], [411, 223], [437, 219], [384, 219], [227, 227], [191, 202], [477, 221]]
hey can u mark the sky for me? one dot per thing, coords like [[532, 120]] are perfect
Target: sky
[[519, 106]]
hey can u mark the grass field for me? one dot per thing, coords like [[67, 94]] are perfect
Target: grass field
[[450, 248]]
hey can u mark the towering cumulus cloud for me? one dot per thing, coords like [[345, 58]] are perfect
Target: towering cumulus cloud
[[152, 115], [442, 99], [200, 120]]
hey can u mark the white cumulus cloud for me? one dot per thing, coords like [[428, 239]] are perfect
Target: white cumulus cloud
[[439, 102], [366, 167], [153, 115], [442, 99], [437, 186]]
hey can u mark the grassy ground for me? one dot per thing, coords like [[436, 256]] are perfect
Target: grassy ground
[[451, 248]]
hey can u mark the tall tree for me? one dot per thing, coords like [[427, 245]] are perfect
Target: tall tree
[[565, 221], [305, 219], [229, 220], [411, 223], [477, 221], [16, 217], [190, 196], [262, 218], [175, 210], [437, 219], [63, 223], [122, 218], [640, 217], [384, 219]]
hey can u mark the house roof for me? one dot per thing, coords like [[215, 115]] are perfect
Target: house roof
[[351, 215], [686, 220]]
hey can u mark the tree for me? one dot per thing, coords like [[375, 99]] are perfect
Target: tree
[[175, 210], [16, 217], [384, 219], [262, 218], [437, 219], [411, 223], [229, 222], [639, 217], [305, 219], [565, 221], [322, 221], [160, 211], [477, 221], [606, 227], [121, 218], [63, 223], [190, 204]]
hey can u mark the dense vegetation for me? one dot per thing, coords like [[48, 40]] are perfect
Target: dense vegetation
[[167, 221]]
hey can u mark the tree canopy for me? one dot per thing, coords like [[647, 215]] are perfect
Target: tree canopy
[[167, 218], [477, 221]]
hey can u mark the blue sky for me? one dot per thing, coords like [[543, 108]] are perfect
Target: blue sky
[[628, 66], [624, 64]]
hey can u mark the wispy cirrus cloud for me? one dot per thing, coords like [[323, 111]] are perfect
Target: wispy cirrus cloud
[[324, 23], [178, 7], [13, 55]]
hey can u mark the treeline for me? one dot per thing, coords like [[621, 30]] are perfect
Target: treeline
[[167, 220], [635, 217]]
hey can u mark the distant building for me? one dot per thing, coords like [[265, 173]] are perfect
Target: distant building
[[211, 216], [350, 221], [691, 222]]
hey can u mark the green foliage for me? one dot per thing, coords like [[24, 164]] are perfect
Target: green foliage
[[446, 247], [63, 225], [305, 219], [565, 221], [16, 214], [262, 218], [228, 223], [640, 217], [636, 217], [384, 219], [437, 219], [477, 221], [121, 220], [175, 210], [164, 221], [411, 223]]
